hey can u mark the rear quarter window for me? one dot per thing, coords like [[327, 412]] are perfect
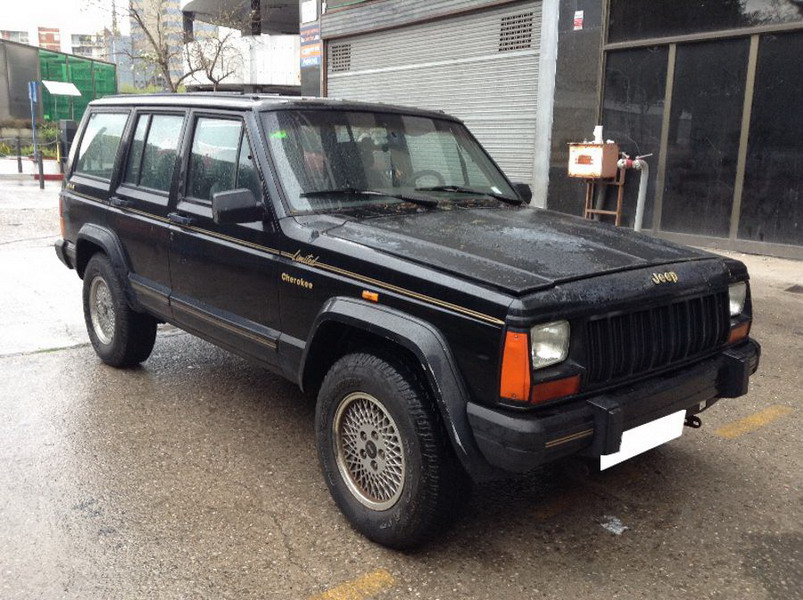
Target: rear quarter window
[[99, 144]]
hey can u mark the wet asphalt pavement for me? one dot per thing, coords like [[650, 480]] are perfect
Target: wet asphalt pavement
[[195, 475]]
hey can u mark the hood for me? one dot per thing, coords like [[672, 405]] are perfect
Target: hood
[[516, 249]]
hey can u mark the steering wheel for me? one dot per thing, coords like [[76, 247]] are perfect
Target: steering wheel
[[428, 173]]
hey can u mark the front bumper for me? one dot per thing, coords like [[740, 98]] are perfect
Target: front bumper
[[66, 252], [593, 426]]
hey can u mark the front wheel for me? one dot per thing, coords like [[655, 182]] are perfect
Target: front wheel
[[384, 453], [120, 336]]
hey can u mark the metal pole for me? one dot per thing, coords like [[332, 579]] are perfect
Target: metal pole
[[33, 94], [19, 155], [640, 164], [642, 192]]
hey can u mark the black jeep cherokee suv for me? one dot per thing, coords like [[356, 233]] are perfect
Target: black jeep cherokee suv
[[378, 257]]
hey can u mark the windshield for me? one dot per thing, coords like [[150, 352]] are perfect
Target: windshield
[[329, 159]]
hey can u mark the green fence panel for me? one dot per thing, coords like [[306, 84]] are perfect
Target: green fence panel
[[105, 79], [81, 77], [53, 67], [92, 78]]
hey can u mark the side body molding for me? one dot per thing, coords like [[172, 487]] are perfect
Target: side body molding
[[430, 348]]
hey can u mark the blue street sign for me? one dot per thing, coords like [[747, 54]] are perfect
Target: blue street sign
[[33, 92]]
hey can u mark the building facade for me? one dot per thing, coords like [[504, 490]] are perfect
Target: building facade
[[709, 90], [90, 45]]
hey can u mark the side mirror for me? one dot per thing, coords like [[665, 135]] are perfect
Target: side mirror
[[236, 206], [523, 191]]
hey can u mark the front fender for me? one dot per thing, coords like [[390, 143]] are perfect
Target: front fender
[[428, 345]]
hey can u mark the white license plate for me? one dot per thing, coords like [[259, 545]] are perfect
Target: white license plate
[[645, 437]]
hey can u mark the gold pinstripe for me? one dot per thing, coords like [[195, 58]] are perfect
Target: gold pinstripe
[[406, 292], [569, 438], [319, 265], [142, 213], [84, 196]]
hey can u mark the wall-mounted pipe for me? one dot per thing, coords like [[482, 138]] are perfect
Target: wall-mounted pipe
[[640, 165]]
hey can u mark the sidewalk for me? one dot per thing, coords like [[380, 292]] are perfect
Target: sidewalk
[[770, 275], [9, 168]]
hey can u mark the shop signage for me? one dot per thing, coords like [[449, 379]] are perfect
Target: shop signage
[[311, 47]]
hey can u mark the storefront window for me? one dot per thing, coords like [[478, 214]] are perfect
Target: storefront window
[[704, 128], [772, 202], [635, 82], [636, 19]]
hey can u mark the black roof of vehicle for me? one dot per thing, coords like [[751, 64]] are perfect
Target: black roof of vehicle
[[261, 102]]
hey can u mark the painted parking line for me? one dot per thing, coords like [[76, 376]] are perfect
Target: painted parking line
[[361, 588], [753, 422]]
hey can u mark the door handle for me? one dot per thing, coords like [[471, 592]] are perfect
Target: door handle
[[179, 219], [121, 202]]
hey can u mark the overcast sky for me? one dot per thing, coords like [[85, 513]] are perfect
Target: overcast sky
[[77, 16]]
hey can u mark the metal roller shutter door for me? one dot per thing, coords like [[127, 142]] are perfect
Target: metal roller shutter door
[[481, 67]]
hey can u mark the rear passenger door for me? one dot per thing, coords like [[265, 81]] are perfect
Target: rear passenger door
[[147, 178], [223, 276]]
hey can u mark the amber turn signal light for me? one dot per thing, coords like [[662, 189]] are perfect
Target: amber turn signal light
[[739, 332], [372, 296], [557, 388], [515, 381]]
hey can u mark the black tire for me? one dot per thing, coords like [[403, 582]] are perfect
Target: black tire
[[120, 336], [408, 510]]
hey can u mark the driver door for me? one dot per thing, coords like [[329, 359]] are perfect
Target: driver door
[[223, 275]]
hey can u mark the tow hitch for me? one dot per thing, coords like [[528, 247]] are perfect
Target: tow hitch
[[693, 421]]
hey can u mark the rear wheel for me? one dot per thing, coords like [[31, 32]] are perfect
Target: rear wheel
[[120, 336], [384, 453]]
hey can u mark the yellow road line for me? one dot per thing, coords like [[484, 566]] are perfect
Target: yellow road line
[[360, 588], [753, 422]]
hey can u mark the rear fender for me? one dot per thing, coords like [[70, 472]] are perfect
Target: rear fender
[[92, 238]]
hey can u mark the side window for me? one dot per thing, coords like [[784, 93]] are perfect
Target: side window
[[99, 144], [137, 146], [153, 152], [220, 159], [247, 176]]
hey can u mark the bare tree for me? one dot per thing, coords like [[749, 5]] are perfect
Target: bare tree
[[159, 45], [214, 57], [164, 50]]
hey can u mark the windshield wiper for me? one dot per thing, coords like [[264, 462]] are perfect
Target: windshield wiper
[[467, 190], [430, 202]]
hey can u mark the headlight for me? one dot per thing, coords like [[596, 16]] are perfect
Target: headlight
[[737, 293], [549, 343]]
